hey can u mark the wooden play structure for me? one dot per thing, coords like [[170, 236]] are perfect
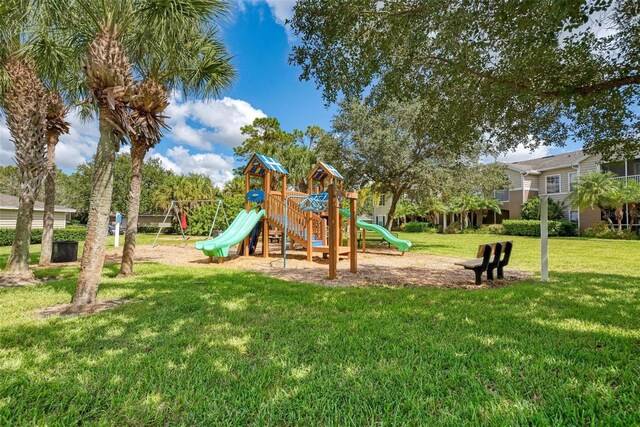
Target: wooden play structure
[[311, 220]]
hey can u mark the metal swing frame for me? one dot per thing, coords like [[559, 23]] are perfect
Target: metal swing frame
[[184, 237]]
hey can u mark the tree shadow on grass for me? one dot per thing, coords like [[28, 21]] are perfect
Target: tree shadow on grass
[[229, 347]]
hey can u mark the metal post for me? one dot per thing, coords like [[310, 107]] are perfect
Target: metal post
[[163, 221], [544, 238], [213, 224]]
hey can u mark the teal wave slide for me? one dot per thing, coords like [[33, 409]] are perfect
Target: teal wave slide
[[401, 244], [240, 228]]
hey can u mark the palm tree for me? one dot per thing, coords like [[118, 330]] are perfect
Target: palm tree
[[594, 190], [207, 70], [115, 35], [25, 105], [22, 97], [463, 205], [56, 126], [632, 197], [484, 204]]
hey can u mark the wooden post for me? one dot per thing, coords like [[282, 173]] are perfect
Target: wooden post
[[353, 238], [364, 240], [247, 180], [246, 190], [265, 221], [544, 238], [265, 238], [333, 232], [284, 186]]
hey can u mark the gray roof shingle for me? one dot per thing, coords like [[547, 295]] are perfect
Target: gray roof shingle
[[11, 202]]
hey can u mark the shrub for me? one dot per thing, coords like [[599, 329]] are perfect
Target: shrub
[[416, 227], [531, 209], [453, 228], [530, 227], [75, 233], [493, 229], [601, 230]]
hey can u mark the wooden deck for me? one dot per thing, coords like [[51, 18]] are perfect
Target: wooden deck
[[342, 250]]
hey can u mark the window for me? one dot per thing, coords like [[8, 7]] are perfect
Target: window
[[573, 177], [502, 195], [381, 220], [616, 167], [383, 200], [553, 184], [574, 216], [633, 167]]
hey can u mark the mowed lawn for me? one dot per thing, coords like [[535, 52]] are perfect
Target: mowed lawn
[[222, 347]]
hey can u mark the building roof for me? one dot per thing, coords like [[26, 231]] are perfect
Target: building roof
[[323, 170], [549, 162], [11, 203], [258, 164]]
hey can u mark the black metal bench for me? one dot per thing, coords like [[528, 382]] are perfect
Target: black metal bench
[[375, 239], [483, 262]]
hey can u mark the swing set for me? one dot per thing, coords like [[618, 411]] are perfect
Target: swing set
[[174, 210]]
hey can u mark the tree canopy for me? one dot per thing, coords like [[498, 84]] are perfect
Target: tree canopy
[[505, 73], [295, 150]]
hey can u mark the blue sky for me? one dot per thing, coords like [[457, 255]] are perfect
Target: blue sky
[[203, 133]]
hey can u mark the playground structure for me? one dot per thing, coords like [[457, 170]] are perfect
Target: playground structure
[[312, 220]]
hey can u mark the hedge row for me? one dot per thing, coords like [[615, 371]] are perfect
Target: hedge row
[[416, 227], [530, 227], [70, 233]]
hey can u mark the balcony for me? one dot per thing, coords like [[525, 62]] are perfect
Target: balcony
[[628, 178]]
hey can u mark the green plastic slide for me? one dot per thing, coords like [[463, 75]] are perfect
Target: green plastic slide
[[240, 228], [401, 244]]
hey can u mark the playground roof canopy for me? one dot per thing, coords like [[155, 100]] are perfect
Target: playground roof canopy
[[258, 164], [323, 170]]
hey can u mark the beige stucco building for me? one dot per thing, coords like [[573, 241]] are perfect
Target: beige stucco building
[[550, 175], [9, 213], [553, 176]]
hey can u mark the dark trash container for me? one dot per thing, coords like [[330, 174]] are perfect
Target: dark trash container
[[64, 251]]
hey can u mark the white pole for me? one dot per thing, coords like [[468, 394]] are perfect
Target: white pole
[[544, 238], [116, 240]]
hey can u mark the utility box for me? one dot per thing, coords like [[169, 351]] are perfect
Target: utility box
[[64, 251]]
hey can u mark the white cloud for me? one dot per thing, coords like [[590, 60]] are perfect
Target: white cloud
[[179, 160], [73, 149], [281, 10], [520, 153], [200, 124]]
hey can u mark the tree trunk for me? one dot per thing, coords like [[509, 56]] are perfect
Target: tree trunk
[[633, 208], [138, 152], [392, 209], [49, 201], [619, 215], [99, 207], [19, 260]]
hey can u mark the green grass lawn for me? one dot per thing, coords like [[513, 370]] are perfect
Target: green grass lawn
[[222, 347]]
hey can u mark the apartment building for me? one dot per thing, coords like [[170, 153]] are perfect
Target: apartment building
[[554, 176]]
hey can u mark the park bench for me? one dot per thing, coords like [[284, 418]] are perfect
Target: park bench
[[274, 236], [501, 252], [373, 238]]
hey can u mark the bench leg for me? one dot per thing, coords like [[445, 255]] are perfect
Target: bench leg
[[500, 273], [478, 276], [489, 273]]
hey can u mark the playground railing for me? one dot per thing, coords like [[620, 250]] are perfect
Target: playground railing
[[297, 221]]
